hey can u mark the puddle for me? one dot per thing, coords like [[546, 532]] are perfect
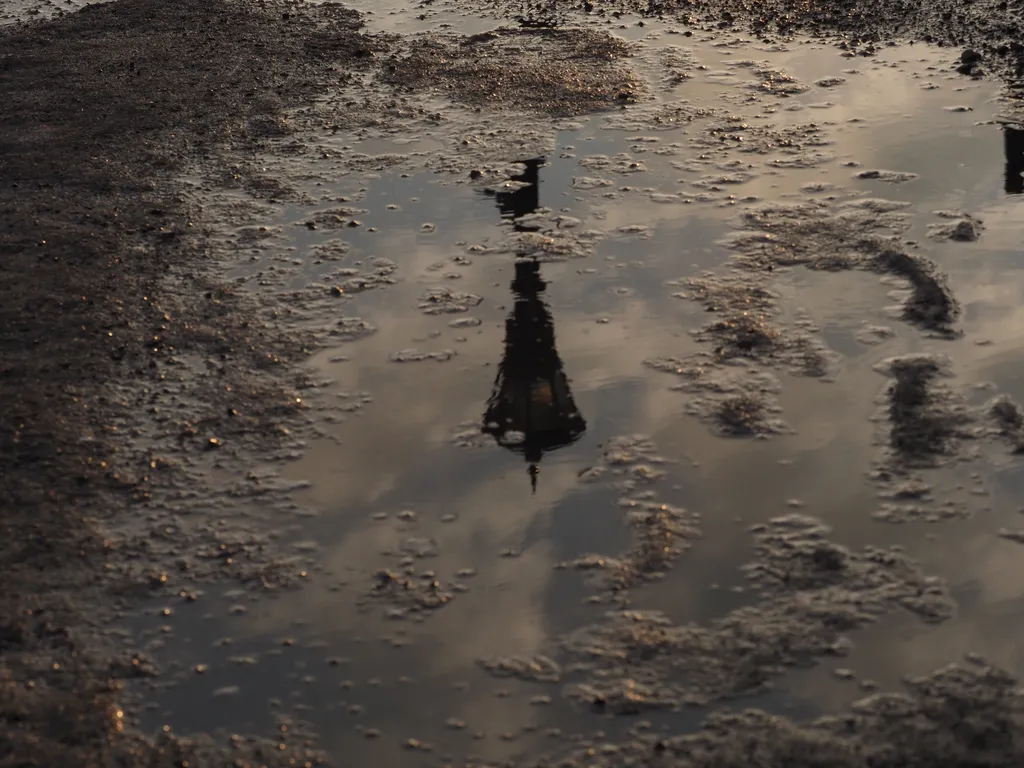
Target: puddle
[[499, 331]]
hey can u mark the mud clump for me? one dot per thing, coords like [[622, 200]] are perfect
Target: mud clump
[[735, 392], [891, 177], [925, 419], [445, 301], [931, 305], [660, 532], [971, 717], [748, 335], [740, 416], [408, 594], [860, 234], [958, 227], [742, 336], [1008, 419], [734, 401], [558, 72], [539, 669], [813, 591]]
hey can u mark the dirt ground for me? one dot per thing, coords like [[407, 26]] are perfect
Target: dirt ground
[[101, 110]]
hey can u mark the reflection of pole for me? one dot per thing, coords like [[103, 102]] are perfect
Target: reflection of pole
[[516, 203], [531, 410], [1013, 147]]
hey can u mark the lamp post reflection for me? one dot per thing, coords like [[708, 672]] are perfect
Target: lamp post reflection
[[1013, 147], [531, 410]]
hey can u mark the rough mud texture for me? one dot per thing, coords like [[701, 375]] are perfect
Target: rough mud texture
[[861, 234], [732, 381], [745, 327], [812, 592], [1008, 419], [98, 425], [558, 72], [926, 419], [735, 401], [984, 35], [660, 532], [858, 234], [969, 716], [957, 226]]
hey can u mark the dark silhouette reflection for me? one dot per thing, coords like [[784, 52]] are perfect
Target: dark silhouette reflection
[[516, 203], [1013, 146], [531, 409]]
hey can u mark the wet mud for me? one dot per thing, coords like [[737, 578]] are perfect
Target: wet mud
[[560, 72], [961, 714], [811, 592], [106, 299], [984, 37], [660, 532]]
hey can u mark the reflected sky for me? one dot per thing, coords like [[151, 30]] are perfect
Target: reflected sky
[[416, 440]]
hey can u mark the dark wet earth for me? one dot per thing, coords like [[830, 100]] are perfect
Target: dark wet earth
[[532, 423]]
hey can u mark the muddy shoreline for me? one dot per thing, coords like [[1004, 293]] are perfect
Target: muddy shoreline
[[104, 286]]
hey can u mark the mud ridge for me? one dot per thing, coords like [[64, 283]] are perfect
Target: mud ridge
[[660, 532], [558, 72], [811, 592], [964, 715], [983, 37]]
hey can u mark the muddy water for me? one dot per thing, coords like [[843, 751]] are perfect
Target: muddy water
[[405, 478]]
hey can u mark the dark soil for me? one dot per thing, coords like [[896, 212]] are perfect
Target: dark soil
[[986, 35], [557, 71], [100, 109], [925, 420]]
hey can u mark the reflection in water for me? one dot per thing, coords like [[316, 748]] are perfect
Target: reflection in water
[[1013, 146], [531, 410], [518, 201]]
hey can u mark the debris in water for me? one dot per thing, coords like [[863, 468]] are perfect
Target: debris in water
[[531, 668], [961, 227], [893, 177], [926, 419], [813, 592], [439, 301]]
